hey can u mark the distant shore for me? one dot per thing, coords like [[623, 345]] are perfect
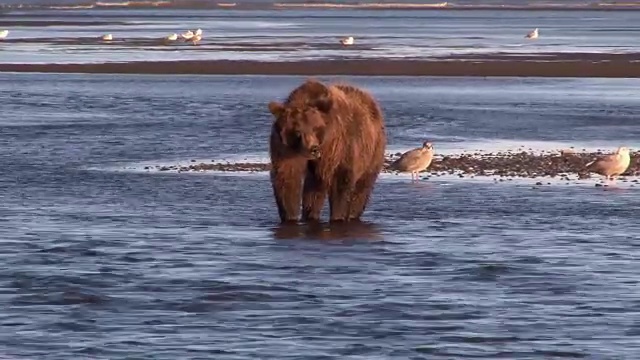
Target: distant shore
[[546, 65], [240, 5]]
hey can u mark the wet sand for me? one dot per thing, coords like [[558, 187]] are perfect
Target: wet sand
[[554, 164], [552, 65]]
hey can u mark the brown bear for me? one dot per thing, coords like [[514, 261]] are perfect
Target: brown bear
[[333, 137]]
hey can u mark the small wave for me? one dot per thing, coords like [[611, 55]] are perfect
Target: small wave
[[101, 4], [71, 7], [85, 5], [133, 3], [361, 5]]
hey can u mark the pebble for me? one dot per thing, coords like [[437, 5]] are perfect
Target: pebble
[[502, 165]]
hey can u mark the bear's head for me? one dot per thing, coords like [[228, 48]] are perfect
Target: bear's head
[[301, 125]]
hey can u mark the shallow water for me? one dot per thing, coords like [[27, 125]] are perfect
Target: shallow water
[[303, 34], [104, 261]]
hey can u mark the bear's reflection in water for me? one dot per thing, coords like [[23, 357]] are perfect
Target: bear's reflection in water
[[353, 230]]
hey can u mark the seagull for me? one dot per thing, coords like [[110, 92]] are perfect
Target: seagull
[[107, 37], [415, 160], [532, 34], [347, 41], [172, 37], [188, 35], [611, 165], [194, 40], [4, 34]]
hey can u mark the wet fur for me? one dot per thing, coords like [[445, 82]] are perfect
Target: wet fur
[[352, 156]]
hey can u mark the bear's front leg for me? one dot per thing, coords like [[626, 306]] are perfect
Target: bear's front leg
[[361, 194], [340, 194], [313, 194], [286, 180]]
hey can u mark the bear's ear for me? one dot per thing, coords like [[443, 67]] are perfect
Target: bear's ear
[[314, 88], [324, 104], [276, 108]]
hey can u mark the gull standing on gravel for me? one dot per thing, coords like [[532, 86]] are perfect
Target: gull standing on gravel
[[612, 165], [532, 34], [415, 160], [172, 37], [4, 34]]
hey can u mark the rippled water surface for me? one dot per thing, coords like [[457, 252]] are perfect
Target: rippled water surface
[[276, 35], [104, 260]]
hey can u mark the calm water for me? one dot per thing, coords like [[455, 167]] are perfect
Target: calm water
[[295, 35], [102, 260]]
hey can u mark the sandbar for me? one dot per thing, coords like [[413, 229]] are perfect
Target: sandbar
[[544, 65], [522, 164]]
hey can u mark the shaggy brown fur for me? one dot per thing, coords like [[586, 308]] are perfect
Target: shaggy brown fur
[[333, 137]]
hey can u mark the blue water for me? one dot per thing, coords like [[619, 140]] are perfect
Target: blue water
[[302, 34], [105, 260]]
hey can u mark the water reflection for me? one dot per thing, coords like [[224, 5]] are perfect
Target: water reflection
[[359, 230]]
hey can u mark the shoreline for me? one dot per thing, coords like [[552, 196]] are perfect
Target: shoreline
[[542, 65], [549, 164]]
